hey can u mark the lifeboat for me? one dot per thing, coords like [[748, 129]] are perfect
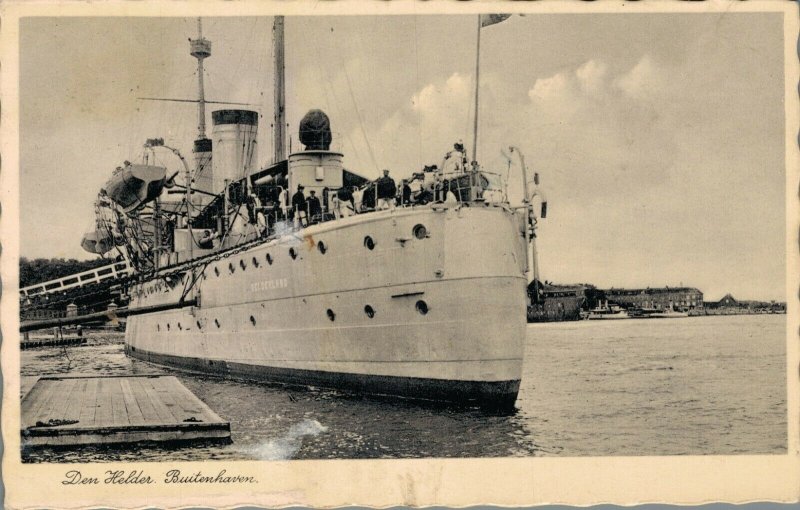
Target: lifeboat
[[97, 242], [135, 185]]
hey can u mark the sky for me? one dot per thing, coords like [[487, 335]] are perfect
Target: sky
[[659, 138]]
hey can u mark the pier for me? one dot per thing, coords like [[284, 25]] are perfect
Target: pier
[[72, 411], [32, 343]]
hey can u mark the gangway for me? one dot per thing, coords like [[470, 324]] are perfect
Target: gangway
[[100, 274]]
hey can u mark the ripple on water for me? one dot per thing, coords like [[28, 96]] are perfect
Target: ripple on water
[[701, 386]]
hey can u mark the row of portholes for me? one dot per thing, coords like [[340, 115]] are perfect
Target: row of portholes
[[164, 285], [420, 306], [419, 231], [199, 326]]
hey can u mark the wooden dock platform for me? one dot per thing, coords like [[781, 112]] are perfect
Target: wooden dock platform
[[71, 411], [32, 343]]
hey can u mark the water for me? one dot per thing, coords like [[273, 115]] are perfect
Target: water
[[699, 386]]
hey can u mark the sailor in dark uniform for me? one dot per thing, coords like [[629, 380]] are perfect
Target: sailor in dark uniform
[[314, 208], [298, 204]]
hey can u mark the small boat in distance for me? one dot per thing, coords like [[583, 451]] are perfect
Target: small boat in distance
[[606, 311], [656, 313]]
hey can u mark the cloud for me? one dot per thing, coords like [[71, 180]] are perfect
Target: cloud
[[644, 80], [547, 89], [591, 76], [439, 96]]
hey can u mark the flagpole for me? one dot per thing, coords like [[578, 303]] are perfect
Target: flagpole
[[477, 87]]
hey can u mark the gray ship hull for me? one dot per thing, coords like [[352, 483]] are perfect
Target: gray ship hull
[[436, 315]]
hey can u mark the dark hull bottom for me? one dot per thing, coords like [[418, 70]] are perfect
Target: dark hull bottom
[[492, 396]]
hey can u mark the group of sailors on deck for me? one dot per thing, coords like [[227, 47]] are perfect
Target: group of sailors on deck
[[309, 207]]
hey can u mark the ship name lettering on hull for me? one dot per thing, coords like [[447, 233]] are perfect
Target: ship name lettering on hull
[[279, 283]]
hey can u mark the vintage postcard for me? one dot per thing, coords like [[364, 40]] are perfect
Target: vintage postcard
[[327, 254]]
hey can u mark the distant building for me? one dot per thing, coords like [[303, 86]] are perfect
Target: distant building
[[727, 301], [677, 298], [729, 304]]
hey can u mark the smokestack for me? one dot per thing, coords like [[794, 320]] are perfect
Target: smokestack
[[234, 145]]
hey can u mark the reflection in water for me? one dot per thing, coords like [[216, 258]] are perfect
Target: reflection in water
[[711, 385]]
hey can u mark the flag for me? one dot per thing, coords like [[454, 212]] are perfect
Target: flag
[[491, 19]]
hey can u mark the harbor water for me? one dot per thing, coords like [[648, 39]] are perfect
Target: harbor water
[[683, 386]]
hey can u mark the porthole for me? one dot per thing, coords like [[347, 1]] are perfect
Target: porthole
[[158, 327], [292, 253], [255, 262], [422, 307], [168, 326], [321, 247], [216, 322], [198, 325], [269, 259], [180, 327], [420, 232], [369, 243], [230, 267], [369, 311], [216, 270], [331, 315], [253, 320], [242, 264]]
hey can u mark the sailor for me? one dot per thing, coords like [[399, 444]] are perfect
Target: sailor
[[253, 204], [283, 202], [450, 197], [358, 200], [343, 197], [299, 204], [405, 193], [314, 208], [206, 241], [457, 157], [261, 224], [386, 191]]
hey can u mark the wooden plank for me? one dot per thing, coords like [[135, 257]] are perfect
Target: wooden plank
[[89, 403], [74, 404], [164, 414], [103, 416], [120, 416], [167, 391], [41, 395], [135, 416], [64, 392], [193, 406], [32, 402], [149, 414], [52, 401]]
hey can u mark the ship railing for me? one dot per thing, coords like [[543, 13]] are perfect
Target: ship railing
[[468, 186], [104, 273], [471, 185]]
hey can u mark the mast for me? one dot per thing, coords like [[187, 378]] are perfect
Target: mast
[[279, 123], [477, 88], [200, 49]]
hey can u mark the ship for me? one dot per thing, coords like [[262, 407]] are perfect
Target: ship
[[657, 313], [421, 297], [606, 311]]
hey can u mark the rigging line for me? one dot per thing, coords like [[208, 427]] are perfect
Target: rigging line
[[419, 117], [360, 120], [328, 88]]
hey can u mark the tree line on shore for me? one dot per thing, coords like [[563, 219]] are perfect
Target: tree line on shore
[[33, 271]]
